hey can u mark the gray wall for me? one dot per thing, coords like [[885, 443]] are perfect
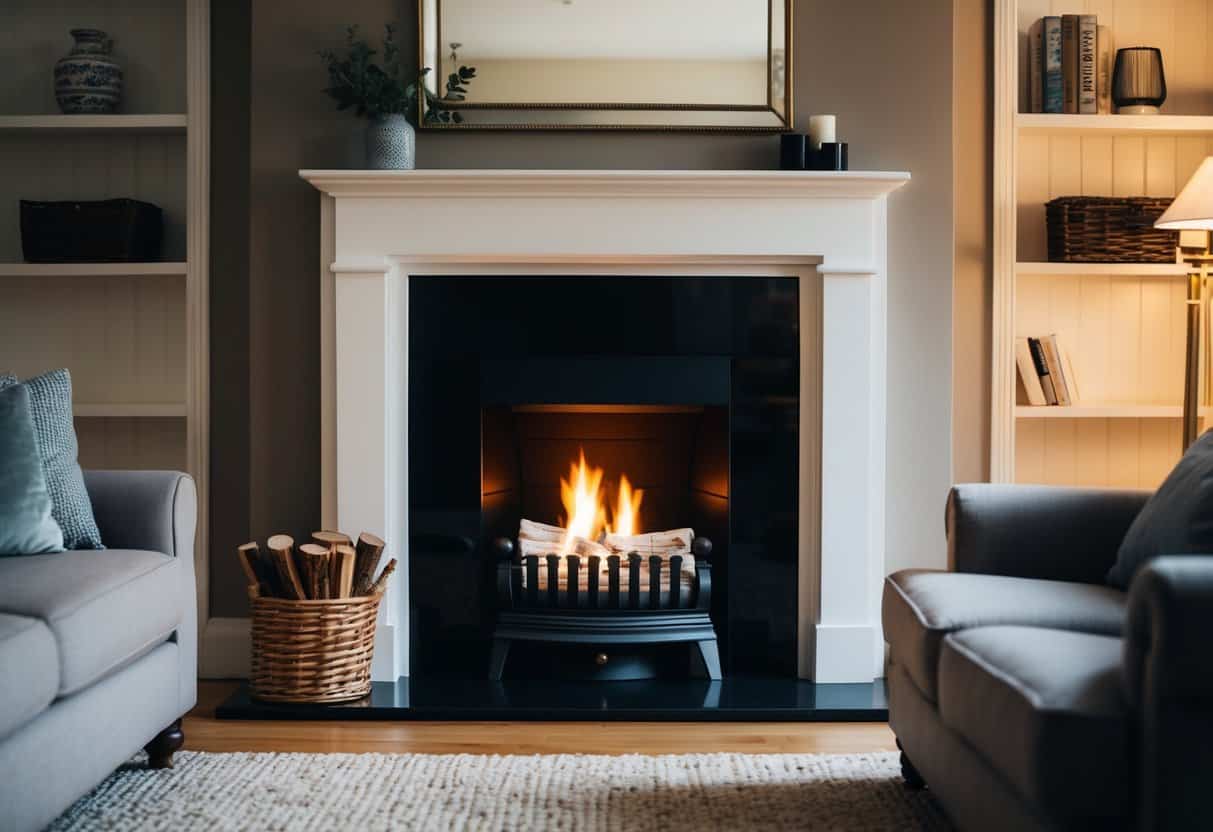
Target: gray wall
[[884, 66]]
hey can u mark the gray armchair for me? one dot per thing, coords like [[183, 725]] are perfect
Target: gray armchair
[[98, 649], [1029, 694]]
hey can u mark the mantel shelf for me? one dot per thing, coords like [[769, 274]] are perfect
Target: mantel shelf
[[1062, 123], [1103, 411], [592, 184], [135, 122]]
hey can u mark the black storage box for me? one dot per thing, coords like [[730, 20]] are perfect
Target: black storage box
[[108, 230]]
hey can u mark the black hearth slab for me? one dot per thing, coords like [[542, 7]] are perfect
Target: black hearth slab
[[658, 700]]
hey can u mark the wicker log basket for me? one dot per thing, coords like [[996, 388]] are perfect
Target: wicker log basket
[[313, 651], [314, 611], [1096, 229]]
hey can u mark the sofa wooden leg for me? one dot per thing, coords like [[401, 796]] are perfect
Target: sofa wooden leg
[[160, 749], [908, 773]]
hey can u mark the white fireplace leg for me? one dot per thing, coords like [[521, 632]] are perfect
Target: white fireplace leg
[[372, 433], [852, 475]]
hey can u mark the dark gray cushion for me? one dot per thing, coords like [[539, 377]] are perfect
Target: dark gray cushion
[[29, 670], [1177, 520], [920, 607], [1045, 708], [104, 608], [51, 406], [26, 524]]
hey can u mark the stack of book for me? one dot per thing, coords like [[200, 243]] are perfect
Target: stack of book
[[1046, 372], [1070, 65]]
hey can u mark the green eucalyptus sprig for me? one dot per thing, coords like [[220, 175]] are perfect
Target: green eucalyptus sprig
[[390, 88]]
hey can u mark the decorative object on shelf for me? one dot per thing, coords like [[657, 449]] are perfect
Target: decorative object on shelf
[[832, 156], [792, 148], [100, 231], [1191, 214], [821, 130], [1139, 86], [387, 95], [87, 79], [314, 611], [1097, 229]]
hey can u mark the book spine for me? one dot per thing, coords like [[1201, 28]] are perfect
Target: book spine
[[1069, 63], [1087, 28], [1027, 373], [1057, 373], [1051, 38], [1042, 370], [1036, 89], [1103, 69]]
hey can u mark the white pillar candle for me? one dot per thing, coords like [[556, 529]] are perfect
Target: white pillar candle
[[821, 129]]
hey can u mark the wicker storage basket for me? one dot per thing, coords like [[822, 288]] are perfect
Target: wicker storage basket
[[313, 651], [1098, 229]]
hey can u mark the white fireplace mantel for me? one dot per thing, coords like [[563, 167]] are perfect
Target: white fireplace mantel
[[826, 229]]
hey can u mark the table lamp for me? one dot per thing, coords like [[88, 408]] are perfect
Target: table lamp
[[1191, 214]]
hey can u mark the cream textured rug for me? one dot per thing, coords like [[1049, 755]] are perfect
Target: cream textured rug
[[214, 792]]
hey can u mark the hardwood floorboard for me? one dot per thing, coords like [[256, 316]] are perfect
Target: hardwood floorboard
[[205, 733]]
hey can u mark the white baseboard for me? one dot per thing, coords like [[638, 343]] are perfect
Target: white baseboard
[[225, 648]]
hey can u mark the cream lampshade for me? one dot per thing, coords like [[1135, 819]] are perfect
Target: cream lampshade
[[1191, 214], [1193, 208]]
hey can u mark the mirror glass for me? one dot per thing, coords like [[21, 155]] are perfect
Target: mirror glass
[[641, 64]]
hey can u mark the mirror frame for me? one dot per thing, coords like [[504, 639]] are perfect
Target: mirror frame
[[537, 122]]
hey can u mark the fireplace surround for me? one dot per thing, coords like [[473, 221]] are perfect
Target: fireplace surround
[[382, 231]]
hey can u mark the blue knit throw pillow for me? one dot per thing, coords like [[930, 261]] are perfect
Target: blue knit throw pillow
[[50, 398], [26, 524]]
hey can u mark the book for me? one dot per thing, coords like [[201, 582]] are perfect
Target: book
[[1071, 378], [1028, 374], [1051, 51], [1036, 89], [1042, 370], [1057, 375], [1087, 28], [1069, 63], [1104, 56]]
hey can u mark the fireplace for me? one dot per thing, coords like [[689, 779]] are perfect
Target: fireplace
[[525, 390], [804, 545]]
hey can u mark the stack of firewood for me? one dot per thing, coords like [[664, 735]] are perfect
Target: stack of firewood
[[330, 567]]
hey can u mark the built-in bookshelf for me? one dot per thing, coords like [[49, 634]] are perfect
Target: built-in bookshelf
[[1123, 324], [134, 335]]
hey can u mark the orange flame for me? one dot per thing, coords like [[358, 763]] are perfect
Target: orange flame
[[585, 514]]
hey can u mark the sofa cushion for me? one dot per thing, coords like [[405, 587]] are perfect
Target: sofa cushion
[[26, 524], [104, 608], [29, 670], [1176, 520], [920, 607], [1045, 709]]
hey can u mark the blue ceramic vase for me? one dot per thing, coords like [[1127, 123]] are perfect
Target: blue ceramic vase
[[391, 143], [88, 80]]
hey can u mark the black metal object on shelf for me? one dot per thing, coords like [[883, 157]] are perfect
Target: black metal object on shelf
[[97, 231]]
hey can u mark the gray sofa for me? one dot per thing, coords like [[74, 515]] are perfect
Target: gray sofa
[[98, 648], [1028, 694]]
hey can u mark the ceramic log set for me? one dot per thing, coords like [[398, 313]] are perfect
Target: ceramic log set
[[88, 79]]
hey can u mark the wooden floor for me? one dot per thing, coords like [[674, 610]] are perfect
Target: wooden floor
[[205, 733]]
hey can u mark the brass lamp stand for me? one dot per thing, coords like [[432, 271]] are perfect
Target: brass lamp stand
[[1199, 257]]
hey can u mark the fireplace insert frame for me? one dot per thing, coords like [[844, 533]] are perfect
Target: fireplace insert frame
[[565, 614]]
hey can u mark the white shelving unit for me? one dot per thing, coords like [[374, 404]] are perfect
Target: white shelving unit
[[134, 335], [1123, 323]]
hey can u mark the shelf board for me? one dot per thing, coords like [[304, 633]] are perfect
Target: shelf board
[[1097, 269], [162, 410], [140, 123], [1059, 123], [1104, 411], [158, 269]]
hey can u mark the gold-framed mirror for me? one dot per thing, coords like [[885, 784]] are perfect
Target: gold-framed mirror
[[715, 65]]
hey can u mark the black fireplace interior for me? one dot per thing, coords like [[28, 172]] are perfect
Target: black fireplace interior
[[689, 386]]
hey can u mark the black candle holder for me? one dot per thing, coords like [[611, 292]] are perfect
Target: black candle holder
[[792, 151], [830, 156]]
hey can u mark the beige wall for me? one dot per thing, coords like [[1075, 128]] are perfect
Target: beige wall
[[974, 143], [884, 66]]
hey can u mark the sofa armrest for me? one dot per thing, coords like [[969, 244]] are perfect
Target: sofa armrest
[[156, 511], [1169, 683], [1038, 531]]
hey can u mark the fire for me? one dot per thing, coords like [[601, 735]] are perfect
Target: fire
[[585, 511]]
